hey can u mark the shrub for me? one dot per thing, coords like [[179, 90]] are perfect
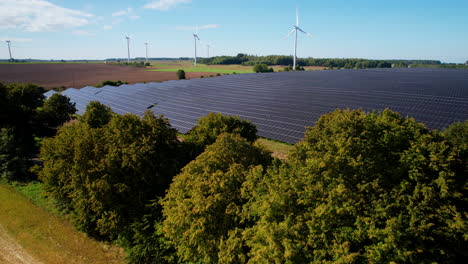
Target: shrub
[[262, 68], [111, 83], [180, 74], [457, 133]]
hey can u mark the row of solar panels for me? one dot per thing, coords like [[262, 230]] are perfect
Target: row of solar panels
[[282, 104]]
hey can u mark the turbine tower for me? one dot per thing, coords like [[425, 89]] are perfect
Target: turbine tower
[[146, 45], [208, 46], [128, 48], [9, 48], [294, 30], [195, 37]]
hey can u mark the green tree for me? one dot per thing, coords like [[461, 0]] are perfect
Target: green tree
[[106, 175], [180, 74], [203, 206], [13, 161], [57, 110], [209, 127], [97, 114], [457, 133], [363, 188], [262, 68]]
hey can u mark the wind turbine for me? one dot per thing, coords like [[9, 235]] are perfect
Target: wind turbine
[[195, 37], [146, 45], [9, 48], [208, 46], [294, 30], [128, 47]]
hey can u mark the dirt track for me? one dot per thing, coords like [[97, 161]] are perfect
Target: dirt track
[[12, 252], [78, 75]]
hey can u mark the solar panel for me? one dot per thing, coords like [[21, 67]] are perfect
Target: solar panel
[[283, 104]]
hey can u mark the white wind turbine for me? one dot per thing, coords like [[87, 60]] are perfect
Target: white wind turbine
[[9, 48], [128, 47], [208, 46], [294, 30], [146, 46], [195, 37]]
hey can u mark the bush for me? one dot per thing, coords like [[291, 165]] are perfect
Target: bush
[[180, 74], [111, 83], [13, 160], [262, 68]]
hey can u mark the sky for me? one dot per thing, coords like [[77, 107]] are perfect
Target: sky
[[371, 29]]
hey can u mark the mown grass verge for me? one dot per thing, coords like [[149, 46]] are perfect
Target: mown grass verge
[[279, 149], [46, 236]]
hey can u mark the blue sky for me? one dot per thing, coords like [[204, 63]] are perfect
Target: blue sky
[[397, 29]]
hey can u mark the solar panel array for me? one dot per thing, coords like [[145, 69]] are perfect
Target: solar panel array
[[282, 104]]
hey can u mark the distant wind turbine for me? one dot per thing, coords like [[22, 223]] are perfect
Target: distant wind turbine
[[9, 48], [294, 30], [195, 37], [208, 46], [128, 47], [146, 46]]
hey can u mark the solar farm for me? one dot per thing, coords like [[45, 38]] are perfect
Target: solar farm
[[283, 104]]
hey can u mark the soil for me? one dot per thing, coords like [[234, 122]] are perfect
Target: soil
[[78, 75]]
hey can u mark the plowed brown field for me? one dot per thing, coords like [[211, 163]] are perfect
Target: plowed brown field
[[78, 75]]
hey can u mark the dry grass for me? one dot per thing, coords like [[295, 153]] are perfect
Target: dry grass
[[279, 149], [47, 237]]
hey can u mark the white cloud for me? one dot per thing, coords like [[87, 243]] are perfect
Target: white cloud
[[134, 17], [165, 4], [39, 15], [83, 33], [123, 12], [16, 39], [107, 27]]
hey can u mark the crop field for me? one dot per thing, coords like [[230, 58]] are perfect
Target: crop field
[[187, 66], [282, 104], [52, 75]]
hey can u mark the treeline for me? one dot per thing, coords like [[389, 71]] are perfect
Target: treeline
[[368, 188], [245, 59], [359, 188], [26, 118]]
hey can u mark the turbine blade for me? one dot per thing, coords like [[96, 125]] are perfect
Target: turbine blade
[[289, 34], [297, 17], [308, 34]]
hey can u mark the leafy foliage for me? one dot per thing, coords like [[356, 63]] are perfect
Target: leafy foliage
[[96, 114], [457, 134], [262, 68], [203, 206], [180, 74], [209, 127], [372, 188], [111, 83], [13, 162], [106, 175], [57, 110]]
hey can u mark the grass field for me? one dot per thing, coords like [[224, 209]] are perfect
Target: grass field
[[204, 69], [46, 236], [279, 149]]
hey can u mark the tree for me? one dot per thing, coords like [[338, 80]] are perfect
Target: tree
[[13, 162], [262, 68], [57, 110], [203, 206], [180, 74], [96, 114], [457, 133], [108, 174], [365, 188], [209, 127]]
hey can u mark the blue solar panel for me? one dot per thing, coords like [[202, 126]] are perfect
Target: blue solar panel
[[283, 104]]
